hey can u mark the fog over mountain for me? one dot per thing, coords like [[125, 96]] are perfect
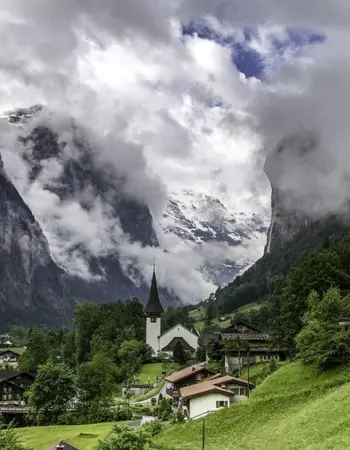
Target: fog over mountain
[[171, 96]]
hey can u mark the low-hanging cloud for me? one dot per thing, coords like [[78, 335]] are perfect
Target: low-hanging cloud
[[165, 110]]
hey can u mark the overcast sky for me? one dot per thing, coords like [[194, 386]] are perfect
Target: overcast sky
[[184, 94]]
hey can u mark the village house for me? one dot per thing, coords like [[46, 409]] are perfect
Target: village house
[[10, 356], [62, 445], [215, 392], [13, 385], [164, 342], [248, 344], [186, 377]]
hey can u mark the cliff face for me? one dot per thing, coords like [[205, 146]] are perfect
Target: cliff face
[[82, 181], [31, 285], [296, 199]]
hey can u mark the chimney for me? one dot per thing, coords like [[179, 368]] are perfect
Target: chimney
[[193, 368]]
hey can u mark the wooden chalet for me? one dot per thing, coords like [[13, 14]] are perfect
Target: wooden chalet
[[249, 345], [186, 377], [13, 385]]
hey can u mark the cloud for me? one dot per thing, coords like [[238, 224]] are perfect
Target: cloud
[[172, 110]]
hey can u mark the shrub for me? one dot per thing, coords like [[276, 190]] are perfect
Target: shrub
[[125, 439], [122, 414], [273, 365], [153, 428], [153, 401]]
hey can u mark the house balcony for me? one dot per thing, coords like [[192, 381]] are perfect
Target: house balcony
[[172, 393]]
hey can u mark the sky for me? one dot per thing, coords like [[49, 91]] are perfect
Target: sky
[[182, 94]]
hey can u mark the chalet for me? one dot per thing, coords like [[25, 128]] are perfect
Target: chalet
[[249, 345], [10, 356], [215, 392], [5, 340], [13, 385], [186, 377], [62, 445]]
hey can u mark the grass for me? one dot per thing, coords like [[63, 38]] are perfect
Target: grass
[[152, 393], [81, 436], [198, 315], [295, 408], [149, 373]]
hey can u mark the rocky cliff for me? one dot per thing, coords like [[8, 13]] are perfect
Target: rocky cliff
[[32, 289], [290, 168], [97, 191]]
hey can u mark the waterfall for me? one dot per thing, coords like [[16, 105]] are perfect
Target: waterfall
[[273, 216]]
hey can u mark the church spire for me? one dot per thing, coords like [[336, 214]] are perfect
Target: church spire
[[153, 306]]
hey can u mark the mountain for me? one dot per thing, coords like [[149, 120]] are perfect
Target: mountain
[[222, 236], [94, 230], [305, 215], [32, 288], [97, 192]]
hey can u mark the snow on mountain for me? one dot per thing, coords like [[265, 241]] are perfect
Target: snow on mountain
[[229, 241]]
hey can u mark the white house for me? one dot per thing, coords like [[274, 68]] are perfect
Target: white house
[[214, 393], [167, 341]]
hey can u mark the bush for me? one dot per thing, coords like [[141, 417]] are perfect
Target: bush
[[153, 428], [125, 439], [153, 401], [165, 410], [122, 414], [273, 365]]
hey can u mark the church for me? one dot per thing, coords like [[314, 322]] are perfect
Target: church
[[164, 342]]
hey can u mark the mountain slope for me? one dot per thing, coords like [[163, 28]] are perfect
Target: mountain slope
[[226, 239], [303, 219], [98, 194], [32, 289], [294, 408]]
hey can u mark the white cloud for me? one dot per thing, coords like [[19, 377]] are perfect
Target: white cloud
[[169, 112]]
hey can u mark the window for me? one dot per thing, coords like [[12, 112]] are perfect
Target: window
[[242, 391], [153, 319], [236, 391], [221, 404], [199, 376]]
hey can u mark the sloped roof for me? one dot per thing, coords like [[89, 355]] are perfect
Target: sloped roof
[[182, 326], [65, 446], [9, 374], [153, 305], [203, 388], [243, 331], [227, 379], [188, 371], [170, 347]]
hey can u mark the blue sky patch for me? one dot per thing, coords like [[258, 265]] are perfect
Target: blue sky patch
[[248, 60]]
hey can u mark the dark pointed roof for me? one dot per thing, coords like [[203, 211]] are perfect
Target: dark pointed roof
[[153, 305]]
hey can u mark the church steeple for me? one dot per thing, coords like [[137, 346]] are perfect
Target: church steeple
[[153, 306]]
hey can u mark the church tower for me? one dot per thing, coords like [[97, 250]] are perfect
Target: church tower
[[153, 312]]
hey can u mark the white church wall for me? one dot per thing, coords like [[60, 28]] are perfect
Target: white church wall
[[178, 331], [152, 333]]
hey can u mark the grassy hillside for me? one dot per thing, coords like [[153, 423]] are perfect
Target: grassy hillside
[[294, 408], [82, 436], [198, 315], [149, 373], [255, 283]]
